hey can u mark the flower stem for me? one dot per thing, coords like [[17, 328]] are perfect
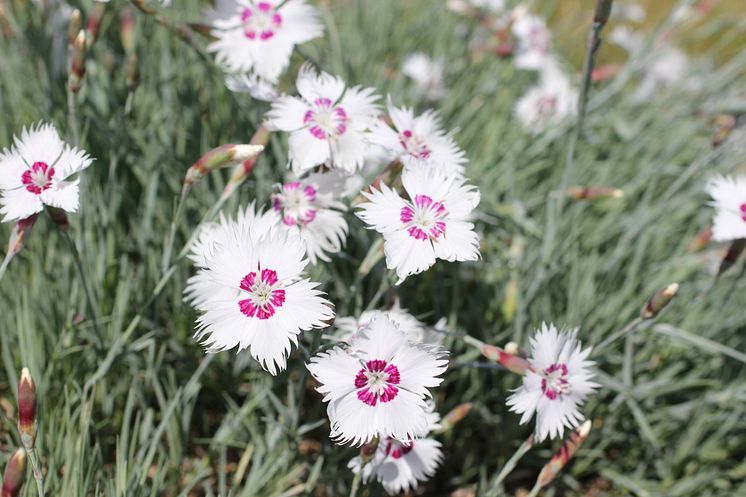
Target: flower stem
[[356, 481], [84, 281], [4, 265], [36, 470], [72, 113], [534, 491], [510, 465], [172, 231], [631, 326]]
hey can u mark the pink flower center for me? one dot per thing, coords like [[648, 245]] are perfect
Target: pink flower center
[[554, 381], [38, 178], [262, 21], [264, 296], [742, 208], [375, 382], [414, 145], [397, 449], [326, 120], [296, 203], [424, 220]]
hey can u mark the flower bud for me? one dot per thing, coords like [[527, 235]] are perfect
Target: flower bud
[[15, 473], [512, 348], [93, 26], [725, 124], [593, 192], [77, 63], [241, 171], [127, 30], [19, 234], [455, 415], [560, 459], [700, 241], [511, 362], [606, 72], [221, 156], [27, 409], [603, 10], [658, 301], [73, 28]]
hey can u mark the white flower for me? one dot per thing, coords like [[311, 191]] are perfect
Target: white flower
[[549, 102], [210, 237], [401, 466], [427, 74], [258, 36], [432, 225], [628, 12], [533, 42], [666, 65], [415, 330], [419, 141], [257, 298], [259, 88], [494, 6], [378, 387], [557, 384], [36, 171], [327, 124], [729, 199], [626, 38], [307, 206]]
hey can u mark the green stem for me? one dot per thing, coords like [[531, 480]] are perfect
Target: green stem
[[36, 470], [616, 336], [4, 265], [356, 481], [72, 115], [510, 465], [84, 281], [534, 491], [166, 262]]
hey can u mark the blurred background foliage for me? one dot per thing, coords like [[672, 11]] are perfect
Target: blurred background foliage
[[140, 410]]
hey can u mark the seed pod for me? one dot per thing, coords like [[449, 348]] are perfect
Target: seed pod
[[221, 156], [603, 10], [455, 415], [735, 250], [27, 409], [658, 301], [15, 473], [560, 459], [77, 63]]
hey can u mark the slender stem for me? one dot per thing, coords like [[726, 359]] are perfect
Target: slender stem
[[511, 464], [172, 232], [72, 115], [534, 491], [616, 336], [4, 265], [36, 469], [356, 480], [84, 281]]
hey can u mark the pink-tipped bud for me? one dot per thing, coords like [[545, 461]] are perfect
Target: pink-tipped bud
[[19, 234], [455, 415], [242, 171], [593, 192], [59, 217], [127, 30], [15, 474], [560, 459], [511, 362], [221, 156], [73, 28], [368, 451], [606, 72], [95, 17], [27, 409], [77, 63], [658, 301], [512, 348]]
